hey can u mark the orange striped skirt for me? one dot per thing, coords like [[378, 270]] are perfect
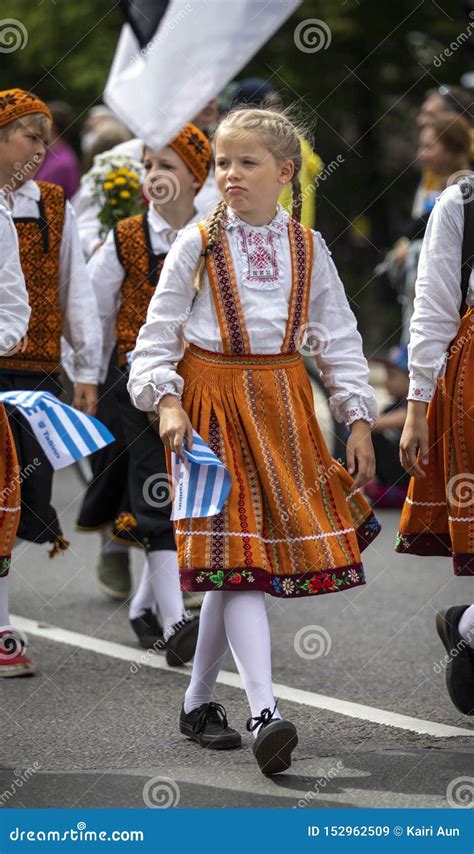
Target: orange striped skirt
[[9, 493], [290, 525], [438, 514]]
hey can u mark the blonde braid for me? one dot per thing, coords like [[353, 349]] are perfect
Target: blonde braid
[[213, 225], [297, 198]]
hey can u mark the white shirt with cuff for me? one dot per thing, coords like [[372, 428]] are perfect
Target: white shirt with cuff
[[262, 261], [436, 319]]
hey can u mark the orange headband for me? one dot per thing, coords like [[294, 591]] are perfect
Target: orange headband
[[194, 148], [15, 103]]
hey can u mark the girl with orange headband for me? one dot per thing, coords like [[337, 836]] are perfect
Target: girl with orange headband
[[125, 272]]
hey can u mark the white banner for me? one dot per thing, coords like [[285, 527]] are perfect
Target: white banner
[[198, 48]]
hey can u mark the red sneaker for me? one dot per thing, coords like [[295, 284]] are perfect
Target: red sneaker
[[13, 661]]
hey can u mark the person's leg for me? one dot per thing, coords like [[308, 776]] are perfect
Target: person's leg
[[144, 598], [248, 634], [164, 580], [211, 648]]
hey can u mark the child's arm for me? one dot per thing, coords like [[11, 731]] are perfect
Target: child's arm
[[160, 343], [435, 321], [436, 318], [81, 324], [14, 307]]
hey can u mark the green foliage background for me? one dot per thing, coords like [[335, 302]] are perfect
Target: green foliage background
[[359, 97]]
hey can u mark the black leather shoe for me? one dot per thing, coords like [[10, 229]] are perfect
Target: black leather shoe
[[460, 666], [148, 630], [275, 742], [181, 646], [208, 726]]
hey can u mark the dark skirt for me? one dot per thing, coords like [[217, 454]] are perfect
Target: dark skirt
[[130, 487]]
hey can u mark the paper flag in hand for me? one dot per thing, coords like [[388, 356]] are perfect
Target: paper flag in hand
[[64, 433], [201, 483]]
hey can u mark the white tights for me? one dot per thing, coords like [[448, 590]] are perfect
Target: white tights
[[160, 584], [236, 620]]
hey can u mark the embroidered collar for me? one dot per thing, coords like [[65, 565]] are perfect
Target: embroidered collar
[[279, 223]]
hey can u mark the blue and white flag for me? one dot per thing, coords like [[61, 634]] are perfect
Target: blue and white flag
[[64, 433], [201, 483]]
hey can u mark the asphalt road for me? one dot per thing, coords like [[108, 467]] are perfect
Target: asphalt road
[[89, 731]]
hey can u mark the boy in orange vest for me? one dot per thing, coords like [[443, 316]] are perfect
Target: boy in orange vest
[[60, 294]]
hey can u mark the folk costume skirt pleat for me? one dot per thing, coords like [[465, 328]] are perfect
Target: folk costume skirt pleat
[[290, 526], [438, 514]]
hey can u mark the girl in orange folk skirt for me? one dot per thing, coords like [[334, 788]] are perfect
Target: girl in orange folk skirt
[[241, 288], [438, 515]]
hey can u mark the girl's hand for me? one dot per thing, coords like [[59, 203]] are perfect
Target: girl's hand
[[85, 397], [359, 448], [415, 438], [174, 425]]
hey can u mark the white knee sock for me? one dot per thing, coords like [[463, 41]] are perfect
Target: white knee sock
[[466, 626], [109, 546], [248, 634], [4, 612], [211, 648], [144, 597], [164, 578]]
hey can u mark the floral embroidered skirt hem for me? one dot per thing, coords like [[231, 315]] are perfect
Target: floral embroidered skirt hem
[[9, 494], [291, 525], [438, 514]]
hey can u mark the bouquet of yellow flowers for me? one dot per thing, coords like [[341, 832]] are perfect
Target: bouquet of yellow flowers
[[116, 187]]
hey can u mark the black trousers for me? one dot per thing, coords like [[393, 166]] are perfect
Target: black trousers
[[39, 521]]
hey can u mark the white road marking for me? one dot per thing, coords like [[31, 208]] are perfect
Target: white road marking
[[143, 658]]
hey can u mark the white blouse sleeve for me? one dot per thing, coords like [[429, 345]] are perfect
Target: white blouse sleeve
[[107, 275], [332, 338], [81, 325], [436, 318], [160, 343], [14, 307]]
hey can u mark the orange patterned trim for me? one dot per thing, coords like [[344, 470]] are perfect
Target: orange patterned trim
[[301, 250], [230, 316]]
